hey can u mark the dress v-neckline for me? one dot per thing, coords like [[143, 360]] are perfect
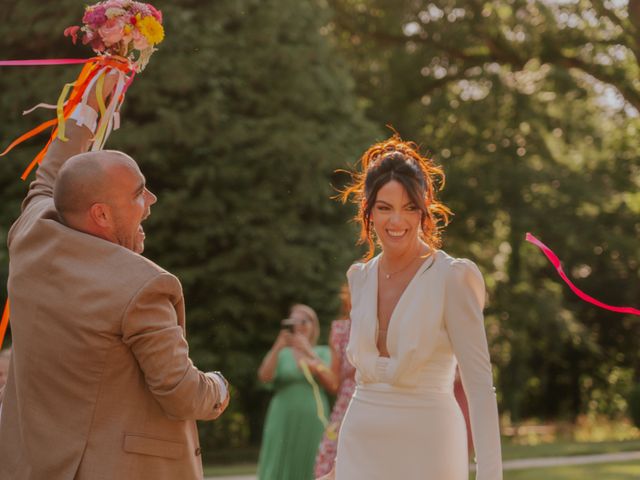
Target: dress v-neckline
[[419, 271]]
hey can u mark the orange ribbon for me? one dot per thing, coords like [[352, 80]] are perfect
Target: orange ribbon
[[4, 322], [88, 72]]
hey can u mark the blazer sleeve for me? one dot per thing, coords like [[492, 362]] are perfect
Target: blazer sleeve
[[150, 328], [40, 194], [78, 141], [465, 293]]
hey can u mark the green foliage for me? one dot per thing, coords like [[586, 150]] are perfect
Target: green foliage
[[612, 471], [634, 405], [531, 107]]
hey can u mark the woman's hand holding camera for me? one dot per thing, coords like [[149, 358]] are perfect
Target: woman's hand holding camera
[[301, 343], [282, 340]]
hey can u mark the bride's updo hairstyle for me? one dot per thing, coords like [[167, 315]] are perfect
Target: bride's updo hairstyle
[[394, 159]]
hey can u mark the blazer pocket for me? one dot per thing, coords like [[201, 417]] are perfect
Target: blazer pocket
[[145, 445]]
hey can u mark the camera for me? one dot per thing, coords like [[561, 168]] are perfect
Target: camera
[[288, 324]]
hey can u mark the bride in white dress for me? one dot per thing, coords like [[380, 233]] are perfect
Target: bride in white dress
[[416, 313]]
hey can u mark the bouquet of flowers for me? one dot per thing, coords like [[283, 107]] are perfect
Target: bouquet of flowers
[[121, 28], [124, 34]]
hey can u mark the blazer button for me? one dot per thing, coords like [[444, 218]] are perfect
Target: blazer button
[[198, 451]]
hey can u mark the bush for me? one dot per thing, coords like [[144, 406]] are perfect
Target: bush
[[634, 405]]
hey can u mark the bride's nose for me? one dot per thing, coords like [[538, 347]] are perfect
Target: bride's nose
[[396, 217]]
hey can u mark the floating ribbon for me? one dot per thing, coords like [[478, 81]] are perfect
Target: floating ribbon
[[76, 93], [553, 258], [60, 110], [42, 62]]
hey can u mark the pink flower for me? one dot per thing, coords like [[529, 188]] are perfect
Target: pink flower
[[140, 8], [112, 31], [93, 39], [72, 32], [95, 16], [120, 4], [88, 35], [139, 40], [97, 45], [157, 14], [127, 34], [115, 12]]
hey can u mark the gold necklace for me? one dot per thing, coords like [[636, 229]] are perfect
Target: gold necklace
[[390, 274]]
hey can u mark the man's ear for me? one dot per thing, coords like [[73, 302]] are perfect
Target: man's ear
[[100, 214]]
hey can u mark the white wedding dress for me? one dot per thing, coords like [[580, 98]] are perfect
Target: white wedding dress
[[403, 422]]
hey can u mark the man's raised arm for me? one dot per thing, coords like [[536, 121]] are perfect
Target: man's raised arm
[[78, 141]]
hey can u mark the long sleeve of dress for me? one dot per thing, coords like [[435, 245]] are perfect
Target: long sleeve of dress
[[464, 301]]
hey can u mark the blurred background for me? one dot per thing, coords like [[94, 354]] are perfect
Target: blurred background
[[250, 108]]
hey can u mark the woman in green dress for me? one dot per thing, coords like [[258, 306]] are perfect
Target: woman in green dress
[[293, 428]]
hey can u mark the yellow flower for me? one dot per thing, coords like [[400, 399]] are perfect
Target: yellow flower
[[151, 29]]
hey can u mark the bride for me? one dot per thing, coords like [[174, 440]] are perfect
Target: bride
[[416, 313]]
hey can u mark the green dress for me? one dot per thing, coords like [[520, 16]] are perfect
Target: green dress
[[292, 430]]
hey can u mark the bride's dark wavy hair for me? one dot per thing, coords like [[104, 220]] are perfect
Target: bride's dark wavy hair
[[395, 159]]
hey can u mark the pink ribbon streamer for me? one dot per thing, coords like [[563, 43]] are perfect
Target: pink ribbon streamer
[[553, 258], [36, 63], [53, 61]]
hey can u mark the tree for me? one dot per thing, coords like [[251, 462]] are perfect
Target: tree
[[529, 143], [590, 38]]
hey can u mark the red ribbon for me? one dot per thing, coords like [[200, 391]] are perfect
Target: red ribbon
[[553, 258]]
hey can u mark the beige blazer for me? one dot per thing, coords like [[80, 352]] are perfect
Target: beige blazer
[[100, 384]]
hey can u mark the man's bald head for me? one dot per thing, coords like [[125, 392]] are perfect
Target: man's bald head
[[104, 194], [86, 179]]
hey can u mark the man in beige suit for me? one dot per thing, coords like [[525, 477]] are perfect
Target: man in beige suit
[[100, 384]]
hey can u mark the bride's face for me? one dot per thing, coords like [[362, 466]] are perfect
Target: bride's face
[[396, 219]]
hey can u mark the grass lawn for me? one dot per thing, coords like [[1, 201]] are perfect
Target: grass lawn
[[608, 471], [612, 471], [562, 449], [219, 471]]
